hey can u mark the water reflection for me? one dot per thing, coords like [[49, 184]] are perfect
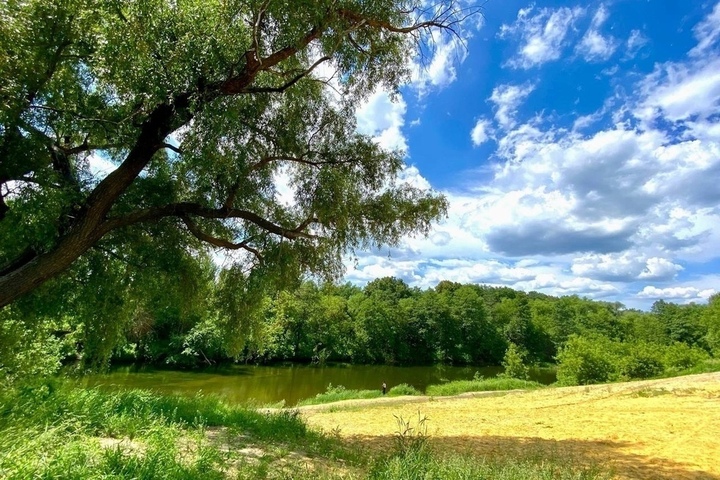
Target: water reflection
[[291, 383]]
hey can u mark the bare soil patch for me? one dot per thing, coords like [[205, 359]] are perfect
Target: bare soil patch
[[666, 429]]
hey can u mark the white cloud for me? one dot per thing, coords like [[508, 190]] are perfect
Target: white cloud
[[479, 133], [676, 293], [620, 212], [707, 32], [634, 43], [507, 99], [542, 35], [442, 52], [100, 167], [441, 70], [595, 46], [624, 267], [383, 119], [681, 91]]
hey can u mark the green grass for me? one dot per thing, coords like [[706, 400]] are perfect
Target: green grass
[[56, 430], [480, 385], [337, 393], [424, 464], [709, 365]]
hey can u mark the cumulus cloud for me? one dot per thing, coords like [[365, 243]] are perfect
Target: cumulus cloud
[[675, 293], [627, 266], [618, 212], [595, 46], [681, 91], [440, 71], [479, 133], [542, 34], [507, 99], [383, 118]]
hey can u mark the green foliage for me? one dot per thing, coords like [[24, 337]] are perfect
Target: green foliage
[[711, 323], [403, 389], [587, 360], [641, 360], [55, 430], [514, 363], [197, 108], [583, 361], [338, 393], [680, 356], [480, 385]]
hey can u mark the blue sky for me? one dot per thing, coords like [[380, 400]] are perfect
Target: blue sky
[[578, 144]]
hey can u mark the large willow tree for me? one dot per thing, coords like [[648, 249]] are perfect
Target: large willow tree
[[130, 129], [202, 106]]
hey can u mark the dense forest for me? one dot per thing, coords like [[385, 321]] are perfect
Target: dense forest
[[389, 322]]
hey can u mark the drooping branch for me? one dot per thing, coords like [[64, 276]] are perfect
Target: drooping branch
[[301, 159], [186, 208], [218, 242]]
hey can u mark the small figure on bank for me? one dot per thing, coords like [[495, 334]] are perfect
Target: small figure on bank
[[384, 389]]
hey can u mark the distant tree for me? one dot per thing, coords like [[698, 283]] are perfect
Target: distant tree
[[514, 363], [711, 321]]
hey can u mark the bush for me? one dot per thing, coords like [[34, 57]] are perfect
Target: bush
[[337, 393], [680, 356], [514, 363], [642, 360], [486, 385], [587, 360], [403, 389]]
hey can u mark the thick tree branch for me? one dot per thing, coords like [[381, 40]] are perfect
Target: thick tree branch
[[290, 83], [239, 83], [184, 209], [218, 242]]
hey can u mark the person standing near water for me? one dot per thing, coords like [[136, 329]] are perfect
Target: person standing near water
[[384, 388]]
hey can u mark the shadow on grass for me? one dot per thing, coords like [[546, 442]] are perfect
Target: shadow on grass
[[608, 455]]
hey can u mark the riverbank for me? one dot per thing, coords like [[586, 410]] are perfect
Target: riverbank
[[659, 429], [656, 429], [53, 429]]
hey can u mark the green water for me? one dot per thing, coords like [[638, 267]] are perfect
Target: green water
[[271, 384]]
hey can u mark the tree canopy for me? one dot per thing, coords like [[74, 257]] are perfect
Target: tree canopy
[[145, 133]]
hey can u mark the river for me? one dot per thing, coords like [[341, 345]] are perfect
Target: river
[[290, 383]]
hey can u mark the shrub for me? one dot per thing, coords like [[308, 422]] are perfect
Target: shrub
[[337, 393], [680, 356], [641, 360], [587, 360], [403, 389], [486, 385], [514, 363]]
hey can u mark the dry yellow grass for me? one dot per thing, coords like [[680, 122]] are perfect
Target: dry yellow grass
[[658, 429]]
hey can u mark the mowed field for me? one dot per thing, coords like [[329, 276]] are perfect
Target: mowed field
[[657, 429]]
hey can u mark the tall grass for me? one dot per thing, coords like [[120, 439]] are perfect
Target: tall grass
[[481, 385], [129, 413], [338, 393], [56, 430], [415, 458], [403, 389], [424, 464]]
